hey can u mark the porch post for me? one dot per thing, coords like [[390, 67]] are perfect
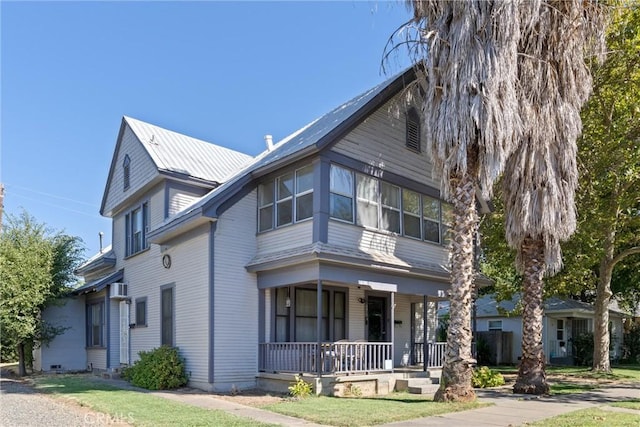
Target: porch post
[[425, 332], [319, 361], [393, 328]]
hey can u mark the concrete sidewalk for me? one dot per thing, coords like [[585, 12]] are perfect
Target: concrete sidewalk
[[515, 410], [507, 409]]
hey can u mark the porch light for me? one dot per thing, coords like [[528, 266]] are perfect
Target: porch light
[[287, 302]]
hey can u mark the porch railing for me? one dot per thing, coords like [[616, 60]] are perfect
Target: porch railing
[[333, 358], [436, 353]]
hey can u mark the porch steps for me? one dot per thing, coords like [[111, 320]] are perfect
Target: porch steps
[[418, 385]]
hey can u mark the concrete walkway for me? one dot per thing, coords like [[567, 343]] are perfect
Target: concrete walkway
[[507, 409]]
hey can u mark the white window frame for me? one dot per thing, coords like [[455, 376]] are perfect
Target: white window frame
[[497, 325], [130, 233]]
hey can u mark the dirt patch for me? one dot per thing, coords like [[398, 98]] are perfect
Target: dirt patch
[[254, 397]]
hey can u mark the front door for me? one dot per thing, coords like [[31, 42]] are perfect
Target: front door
[[376, 319]]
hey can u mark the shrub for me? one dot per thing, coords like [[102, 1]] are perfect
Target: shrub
[[631, 344], [159, 369], [485, 377], [583, 349], [300, 389]]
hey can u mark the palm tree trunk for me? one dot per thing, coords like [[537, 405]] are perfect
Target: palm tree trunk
[[532, 378], [457, 371]]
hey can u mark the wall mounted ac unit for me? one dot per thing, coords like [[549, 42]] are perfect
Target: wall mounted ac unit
[[118, 291]]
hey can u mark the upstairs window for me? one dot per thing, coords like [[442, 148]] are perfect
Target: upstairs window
[[390, 200], [341, 194], [367, 207], [126, 171], [286, 199], [137, 224], [411, 214], [413, 130]]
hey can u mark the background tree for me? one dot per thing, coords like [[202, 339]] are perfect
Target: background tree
[[36, 267], [466, 55], [610, 168]]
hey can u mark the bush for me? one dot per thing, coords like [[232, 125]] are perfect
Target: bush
[[484, 377], [300, 389], [583, 349], [631, 344], [159, 369]]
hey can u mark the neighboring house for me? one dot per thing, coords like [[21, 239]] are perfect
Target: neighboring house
[[563, 320], [325, 254]]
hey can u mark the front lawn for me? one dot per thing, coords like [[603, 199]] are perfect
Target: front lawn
[[340, 411], [590, 418], [134, 407]]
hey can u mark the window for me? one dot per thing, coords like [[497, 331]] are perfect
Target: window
[[333, 315], [265, 207], [126, 171], [384, 206], [136, 224], [367, 206], [141, 311], [560, 330], [341, 194], [411, 214], [286, 199], [579, 327], [166, 317], [304, 193], [283, 302], [431, 219], [413, 130], [495, 325], [95, 324], [390, 200]]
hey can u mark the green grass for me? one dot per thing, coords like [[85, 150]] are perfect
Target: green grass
[[135, 407], [366, 411], [591, 418], [619, 372], [629, 404], [569, 388]]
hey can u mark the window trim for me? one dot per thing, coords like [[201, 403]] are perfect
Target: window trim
[[171, 287], [129, 233], [141, 300], [276, 202], [351, 196], [89, 323]]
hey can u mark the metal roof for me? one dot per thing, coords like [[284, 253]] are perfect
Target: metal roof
[[311, 137], [100, 284], [177, 153]]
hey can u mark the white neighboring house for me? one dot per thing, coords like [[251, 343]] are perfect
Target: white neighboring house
[[326, 254], [563, 319]]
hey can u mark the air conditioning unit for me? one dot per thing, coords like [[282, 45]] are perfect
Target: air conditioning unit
[[118, 291]]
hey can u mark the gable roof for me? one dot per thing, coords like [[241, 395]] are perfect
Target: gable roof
[[179, 155], [302, 143], [486, 306], [100, 284], [106, 258]]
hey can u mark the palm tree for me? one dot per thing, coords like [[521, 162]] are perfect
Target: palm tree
[[541, 175], [466, 53]]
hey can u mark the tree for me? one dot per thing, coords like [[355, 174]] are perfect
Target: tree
[[610, 167], [466, 53], [35, 269], [541, 176]]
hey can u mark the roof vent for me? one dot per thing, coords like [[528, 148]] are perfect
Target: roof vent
[[268, 139]]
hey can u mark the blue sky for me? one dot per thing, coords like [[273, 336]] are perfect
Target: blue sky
[[225, 72]]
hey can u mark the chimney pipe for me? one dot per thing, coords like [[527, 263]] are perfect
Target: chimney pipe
[[268, 139], [100, 234]]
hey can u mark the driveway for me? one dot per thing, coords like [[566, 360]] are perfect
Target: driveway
[[22, 406]]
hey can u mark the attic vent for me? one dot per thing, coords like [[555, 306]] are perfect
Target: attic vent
[[413, 130], [126, 171]]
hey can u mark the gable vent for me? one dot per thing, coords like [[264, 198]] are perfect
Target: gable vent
[[413, 130]]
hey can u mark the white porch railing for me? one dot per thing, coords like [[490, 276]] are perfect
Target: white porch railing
[[334, 358], [436, 353]]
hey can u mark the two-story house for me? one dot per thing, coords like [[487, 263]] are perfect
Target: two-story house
[[324, 255]]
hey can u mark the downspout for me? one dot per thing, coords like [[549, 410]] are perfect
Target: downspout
[[319, 367]]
